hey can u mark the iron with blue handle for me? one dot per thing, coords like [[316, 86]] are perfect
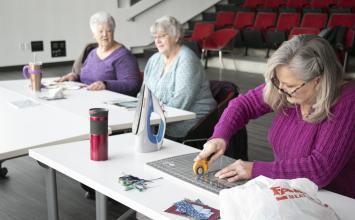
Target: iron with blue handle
[[145, 139]]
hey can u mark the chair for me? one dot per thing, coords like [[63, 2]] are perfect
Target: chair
[[314, 20], [242, 20], [224, 19], [341, 19], [253, 4], [297, 4], [201, 31], [3, 170], [82, 57], [346, 4], [303, 30], [254, 36], [324, 5], [272, 5], [348, 21], [275, 36], [223, 92], [217, 41]]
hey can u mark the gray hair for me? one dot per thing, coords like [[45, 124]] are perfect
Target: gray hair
[[307, 56], [169, 25], [101, 18]]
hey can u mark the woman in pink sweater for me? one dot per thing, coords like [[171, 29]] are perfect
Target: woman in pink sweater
[[313, 132]]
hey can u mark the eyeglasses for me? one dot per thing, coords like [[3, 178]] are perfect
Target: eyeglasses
[[159, 37], [276, 83]]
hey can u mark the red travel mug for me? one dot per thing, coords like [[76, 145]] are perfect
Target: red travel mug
[[98, 134]]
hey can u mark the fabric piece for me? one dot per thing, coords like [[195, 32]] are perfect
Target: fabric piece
[[184, 86], [323, 152]]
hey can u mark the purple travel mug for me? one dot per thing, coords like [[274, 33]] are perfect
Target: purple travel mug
[[98, 134]]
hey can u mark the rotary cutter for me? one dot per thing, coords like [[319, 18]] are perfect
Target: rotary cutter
[[200, 167]]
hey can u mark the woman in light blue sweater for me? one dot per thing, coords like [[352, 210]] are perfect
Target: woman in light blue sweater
[[176, 77]]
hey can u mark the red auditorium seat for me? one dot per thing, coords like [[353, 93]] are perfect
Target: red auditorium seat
[[253, 4], [346, 4], [254, 36], [314, 20], [275, 3], [224, 19], [201, 31], [241, 21], [346, 20], [272, 6], [297, 4], [217, 41], [323, 4], [276, 35], [303, 30], [341, 19]]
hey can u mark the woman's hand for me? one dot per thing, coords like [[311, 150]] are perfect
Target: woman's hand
[[215, 147], [68, 77], [98, 85], [239, 170]]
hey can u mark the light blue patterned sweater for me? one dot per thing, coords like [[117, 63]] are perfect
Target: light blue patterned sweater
[[184, 86]]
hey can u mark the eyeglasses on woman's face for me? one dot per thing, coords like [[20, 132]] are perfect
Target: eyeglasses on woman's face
[[160, 36], [276, 83]]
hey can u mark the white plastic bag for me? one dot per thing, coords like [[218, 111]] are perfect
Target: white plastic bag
[[276, 199]]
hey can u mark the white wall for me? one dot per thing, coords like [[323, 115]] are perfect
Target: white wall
[[23, 21]]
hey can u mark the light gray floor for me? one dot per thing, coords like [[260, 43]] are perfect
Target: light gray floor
[[22, 193]]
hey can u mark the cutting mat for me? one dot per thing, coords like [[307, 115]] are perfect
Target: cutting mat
[[181, 168]]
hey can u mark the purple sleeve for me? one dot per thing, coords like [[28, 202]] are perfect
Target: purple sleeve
[[333, 148], [239, 111], [127, 76]]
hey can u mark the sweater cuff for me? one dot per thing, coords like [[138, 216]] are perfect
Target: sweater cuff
[[218, 136], [262, 168], [224, 135]]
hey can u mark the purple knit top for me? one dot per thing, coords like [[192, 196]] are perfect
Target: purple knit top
[[119, 71], [323, 152]]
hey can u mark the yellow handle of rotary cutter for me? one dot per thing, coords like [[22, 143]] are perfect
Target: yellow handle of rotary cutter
[[200, 167]]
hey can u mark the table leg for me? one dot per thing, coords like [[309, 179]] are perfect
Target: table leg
[[52, 199], [101, 206], [3, 170]]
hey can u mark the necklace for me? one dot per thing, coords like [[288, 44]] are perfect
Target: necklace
[[306, 112]]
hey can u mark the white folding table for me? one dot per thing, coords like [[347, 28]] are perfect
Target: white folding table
[[59, 121], [73, 160]]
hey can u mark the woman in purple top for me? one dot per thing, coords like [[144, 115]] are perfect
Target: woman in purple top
[[313, 132], [109, 66]]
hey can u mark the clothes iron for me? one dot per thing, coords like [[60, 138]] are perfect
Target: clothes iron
[[145, 139]]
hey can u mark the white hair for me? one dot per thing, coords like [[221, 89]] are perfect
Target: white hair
[[169, 25], [101, 17], [307, 56]]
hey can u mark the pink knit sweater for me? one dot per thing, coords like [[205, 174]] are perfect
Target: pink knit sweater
[[323, 152]]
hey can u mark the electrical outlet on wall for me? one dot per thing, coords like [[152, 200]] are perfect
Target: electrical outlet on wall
[[27, 46], [58, 48], [21, 46]]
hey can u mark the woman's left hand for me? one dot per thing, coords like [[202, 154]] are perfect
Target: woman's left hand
[[98, 85], [239, 170]]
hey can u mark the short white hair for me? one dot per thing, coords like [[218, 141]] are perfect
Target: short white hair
[[101, 17], [169, 25]]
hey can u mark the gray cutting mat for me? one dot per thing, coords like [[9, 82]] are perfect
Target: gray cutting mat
[[181, 167]]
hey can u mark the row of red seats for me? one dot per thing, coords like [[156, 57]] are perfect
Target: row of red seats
[[288, 23], [269, 29], [229, 18], [254, 4]]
